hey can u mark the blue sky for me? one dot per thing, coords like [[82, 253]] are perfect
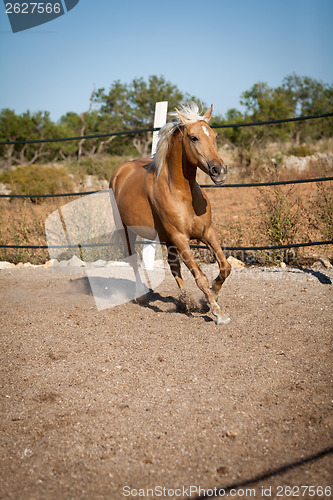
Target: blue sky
[[213, 49]]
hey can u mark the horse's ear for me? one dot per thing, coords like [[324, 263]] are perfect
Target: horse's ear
[[207, 116], [182, 117]]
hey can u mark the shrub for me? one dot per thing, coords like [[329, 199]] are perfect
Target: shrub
[[278, 220], [301, 150], [323, 210], [22, 223], [102, 166], [38, 179]]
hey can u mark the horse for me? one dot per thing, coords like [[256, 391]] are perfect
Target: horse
[[162, 195]]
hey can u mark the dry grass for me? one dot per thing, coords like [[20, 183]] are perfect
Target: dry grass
[[22, 223], [242, 216], [277, 159]]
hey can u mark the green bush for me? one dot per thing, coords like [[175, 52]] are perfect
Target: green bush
[[102, 166], [301, 150], [278, 220], [38, 179]]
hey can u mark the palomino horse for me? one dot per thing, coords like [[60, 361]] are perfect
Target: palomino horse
[[163, 194]]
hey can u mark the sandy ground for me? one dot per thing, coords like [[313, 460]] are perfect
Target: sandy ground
[[105, 405]]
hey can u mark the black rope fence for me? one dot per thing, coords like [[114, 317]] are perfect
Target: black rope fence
[[271, 183], [228, 248], [250, 184], [91, 245], [131, 132], [140, 131]]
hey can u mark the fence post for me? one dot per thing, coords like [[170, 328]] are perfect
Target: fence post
[[161, 109]]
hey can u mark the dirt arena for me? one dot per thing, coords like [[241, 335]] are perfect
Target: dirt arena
[[150, 402]]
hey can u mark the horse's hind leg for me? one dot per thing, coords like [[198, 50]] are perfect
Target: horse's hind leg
[[132, 257], [128, 238], [213, 243], [200, 278]]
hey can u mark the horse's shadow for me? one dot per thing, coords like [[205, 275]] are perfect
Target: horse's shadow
[[187, 307], [109, 288], [321, 277]]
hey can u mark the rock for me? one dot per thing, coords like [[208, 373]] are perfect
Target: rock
[[235, 263], [322, 263], [75, 261], [50, 263], [92, 182], [6, 265], [20, 265], [303, 163], [283, 265], [73, 265], [326, 263], [98, 263], [119, 263], [4, 189]]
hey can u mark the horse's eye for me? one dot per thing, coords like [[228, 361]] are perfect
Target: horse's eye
[[193, 138]]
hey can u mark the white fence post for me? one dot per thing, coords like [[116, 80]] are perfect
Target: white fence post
[[161, 109]]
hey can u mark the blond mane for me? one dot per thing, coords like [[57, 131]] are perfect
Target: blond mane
[[191, 112]]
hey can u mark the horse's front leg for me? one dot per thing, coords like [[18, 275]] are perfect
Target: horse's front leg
[[211, 240], [183, 246]]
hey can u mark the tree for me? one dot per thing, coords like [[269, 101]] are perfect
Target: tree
[[25, 127], [297, 96], [236, 135], [131, 106], [263, 103], [309, 97]]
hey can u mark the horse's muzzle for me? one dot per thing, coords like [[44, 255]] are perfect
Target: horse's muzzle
[[218, 173]]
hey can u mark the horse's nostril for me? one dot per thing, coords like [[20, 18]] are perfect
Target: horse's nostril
[[215, 171]]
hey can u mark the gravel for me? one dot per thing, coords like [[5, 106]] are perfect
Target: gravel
[[105, 405]]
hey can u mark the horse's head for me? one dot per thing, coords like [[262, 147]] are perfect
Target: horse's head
[[199, 141]]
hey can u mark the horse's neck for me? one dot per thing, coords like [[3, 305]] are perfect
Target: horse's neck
[[181, 175]]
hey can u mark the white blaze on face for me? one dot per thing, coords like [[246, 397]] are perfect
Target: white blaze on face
[[205, 130]]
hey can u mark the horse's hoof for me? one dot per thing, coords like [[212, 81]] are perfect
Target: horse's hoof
[[142, 300], [182, 303], [222, 320]]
